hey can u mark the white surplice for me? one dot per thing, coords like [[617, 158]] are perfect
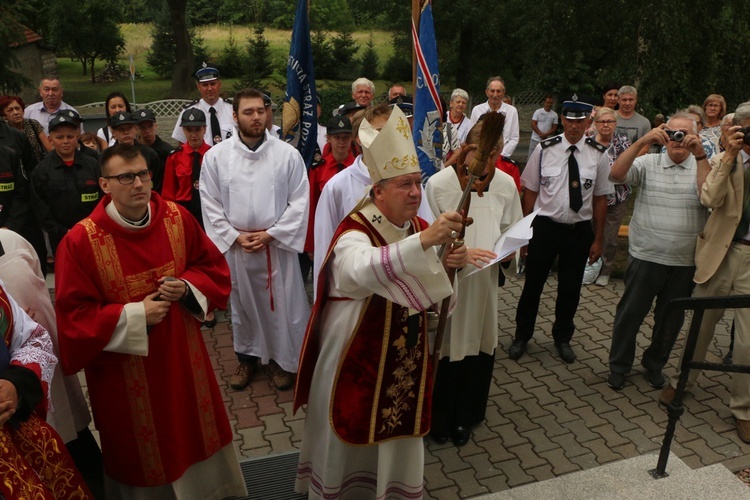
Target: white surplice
[[403, 273], [340, 195], [474, 320], [267, 189], [21, 272]]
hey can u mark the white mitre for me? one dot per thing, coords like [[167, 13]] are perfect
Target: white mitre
[[389, 152]]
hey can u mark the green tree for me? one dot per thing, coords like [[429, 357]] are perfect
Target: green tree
[[330, 14], [96, 34], [162, 55], [370, 61], [11, 32], [344, 50], [183, 48], [398, 65], [259, 63], [322, 50], [202, 12], [232, 61]]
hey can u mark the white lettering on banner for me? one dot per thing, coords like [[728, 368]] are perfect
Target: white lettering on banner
[[435, 80], [297, 68]]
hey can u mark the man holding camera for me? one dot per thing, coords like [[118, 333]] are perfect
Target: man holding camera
[[722, 256], [667, 217]]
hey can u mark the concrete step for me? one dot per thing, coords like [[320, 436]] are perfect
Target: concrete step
[[630, 479]]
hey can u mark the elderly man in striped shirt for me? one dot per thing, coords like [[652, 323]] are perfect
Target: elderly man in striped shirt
[[667, 217]]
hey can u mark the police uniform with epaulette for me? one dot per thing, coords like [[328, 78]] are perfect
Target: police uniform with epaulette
[[222, 109], [567, 184]]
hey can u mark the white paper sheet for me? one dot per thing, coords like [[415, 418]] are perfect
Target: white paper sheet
[[515, 237]]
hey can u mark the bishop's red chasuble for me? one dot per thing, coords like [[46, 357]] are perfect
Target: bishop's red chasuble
[[383, 383]]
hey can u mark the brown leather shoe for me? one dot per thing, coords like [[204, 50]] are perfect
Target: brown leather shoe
[[667, 395], [743, 429], [282, 380], [242, 376]]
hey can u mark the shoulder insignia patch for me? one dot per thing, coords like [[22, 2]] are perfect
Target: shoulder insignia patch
[[191, 104], [551, 142], [600, 147]]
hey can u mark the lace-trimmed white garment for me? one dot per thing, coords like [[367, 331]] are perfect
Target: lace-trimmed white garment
[[31, 344]]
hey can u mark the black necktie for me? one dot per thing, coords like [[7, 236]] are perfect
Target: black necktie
[[574, 182], [215, 128], [194, 205], [196, 174]]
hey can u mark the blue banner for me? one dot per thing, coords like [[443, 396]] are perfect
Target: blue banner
[[299, 117], [428, 113]]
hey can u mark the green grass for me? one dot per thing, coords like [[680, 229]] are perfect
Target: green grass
[[79, 89]]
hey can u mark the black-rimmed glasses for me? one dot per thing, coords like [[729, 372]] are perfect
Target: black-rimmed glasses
[[129, 178]]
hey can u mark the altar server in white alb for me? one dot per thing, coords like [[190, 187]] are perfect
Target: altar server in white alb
[[365, 367], [468, 350], [255, 198]]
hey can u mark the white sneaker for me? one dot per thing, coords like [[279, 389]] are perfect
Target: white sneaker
[[602, 280]]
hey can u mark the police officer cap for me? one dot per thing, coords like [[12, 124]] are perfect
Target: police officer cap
[[405, 103], [145, 115], [62, 119], [576, 109], [350, 107], [193, 117], [121, 118], [207, 74], [71, 114], [338, 125]]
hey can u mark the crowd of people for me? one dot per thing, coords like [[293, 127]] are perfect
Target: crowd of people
[[149, 237]]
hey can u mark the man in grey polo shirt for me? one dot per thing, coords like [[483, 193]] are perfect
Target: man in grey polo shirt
[[667, 217]]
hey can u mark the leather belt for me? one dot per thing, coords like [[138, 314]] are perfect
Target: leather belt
[[741, 241]]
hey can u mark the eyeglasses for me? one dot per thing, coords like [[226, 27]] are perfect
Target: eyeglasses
[[606, 122], [713, 105], [128, 179]]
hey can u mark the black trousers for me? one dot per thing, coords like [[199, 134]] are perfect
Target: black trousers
[[461, 392], [88, 459], [571, 245]]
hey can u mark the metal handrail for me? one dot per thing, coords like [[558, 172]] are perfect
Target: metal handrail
[[675, 409]]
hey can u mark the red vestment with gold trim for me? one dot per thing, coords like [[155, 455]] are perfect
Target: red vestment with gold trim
[[157, 414]]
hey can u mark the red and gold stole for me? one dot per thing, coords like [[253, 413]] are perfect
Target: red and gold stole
[[383, 387]]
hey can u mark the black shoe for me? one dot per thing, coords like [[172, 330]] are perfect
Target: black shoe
[[516, 349], [616, 381], [566, 352], [438, 437], [655, 379], [210, 323], [728, 358], [460, 435]]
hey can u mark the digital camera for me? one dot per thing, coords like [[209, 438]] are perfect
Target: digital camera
[[675, 135], [746, 131]]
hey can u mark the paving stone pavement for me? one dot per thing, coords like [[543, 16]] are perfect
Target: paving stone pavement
[[544, 418]]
